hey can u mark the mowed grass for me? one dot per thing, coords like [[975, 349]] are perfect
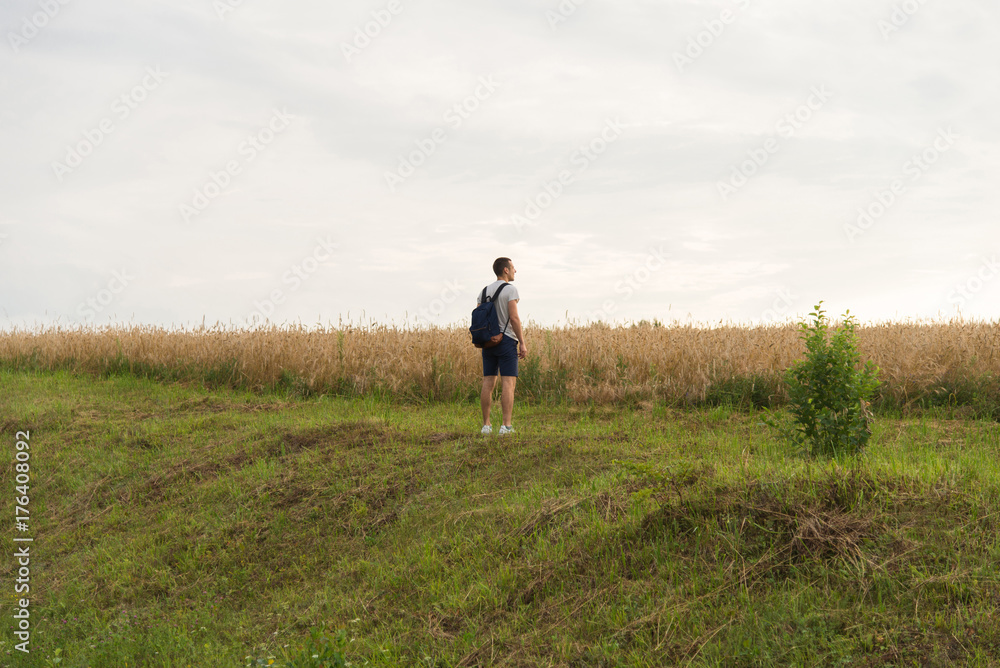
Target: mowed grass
[[179, 526]]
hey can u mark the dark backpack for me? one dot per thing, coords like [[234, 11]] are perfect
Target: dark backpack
[[485, 328]]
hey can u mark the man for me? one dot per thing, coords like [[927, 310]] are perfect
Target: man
[[502, 358]]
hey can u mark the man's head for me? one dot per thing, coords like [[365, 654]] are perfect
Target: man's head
[[503, 269]]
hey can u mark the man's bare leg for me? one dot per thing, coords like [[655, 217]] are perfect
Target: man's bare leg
[[486, 397], [507, 398]]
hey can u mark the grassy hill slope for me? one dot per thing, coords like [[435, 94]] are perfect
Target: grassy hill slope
[[178, 526]]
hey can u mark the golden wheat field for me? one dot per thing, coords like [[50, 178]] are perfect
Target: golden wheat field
[[580, 362]]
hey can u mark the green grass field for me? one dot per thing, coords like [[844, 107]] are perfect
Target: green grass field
[[179, 526]]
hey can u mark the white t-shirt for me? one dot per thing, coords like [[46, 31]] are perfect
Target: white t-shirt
[[510, 292]]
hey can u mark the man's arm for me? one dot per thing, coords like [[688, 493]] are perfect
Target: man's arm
[[515, 322]]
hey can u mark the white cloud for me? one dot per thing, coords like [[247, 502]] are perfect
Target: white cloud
[[655, 185]]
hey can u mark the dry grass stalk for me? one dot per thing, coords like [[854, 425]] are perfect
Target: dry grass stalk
[[597, 362]]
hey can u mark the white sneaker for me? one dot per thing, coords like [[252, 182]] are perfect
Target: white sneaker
[[487, 429], [504, 429]]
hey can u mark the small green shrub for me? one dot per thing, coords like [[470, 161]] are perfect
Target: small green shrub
[[828, 393]]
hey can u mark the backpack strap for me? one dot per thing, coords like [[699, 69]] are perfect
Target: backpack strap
[[494, 298], [482, 299]]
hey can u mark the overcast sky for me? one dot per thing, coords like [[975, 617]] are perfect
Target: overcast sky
[[169, 162]]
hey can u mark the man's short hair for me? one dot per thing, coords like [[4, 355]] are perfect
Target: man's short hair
[[499, 265]]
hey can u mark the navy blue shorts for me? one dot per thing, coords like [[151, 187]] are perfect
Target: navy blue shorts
[[501, 357]]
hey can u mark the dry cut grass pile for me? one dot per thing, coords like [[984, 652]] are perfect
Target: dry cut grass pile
[[682, 363]]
